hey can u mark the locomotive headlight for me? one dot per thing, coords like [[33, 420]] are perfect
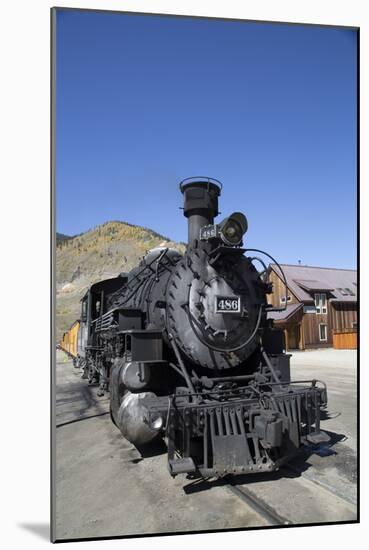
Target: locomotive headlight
[[233, 228], [232, 232]]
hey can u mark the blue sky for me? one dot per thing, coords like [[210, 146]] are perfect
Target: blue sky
[[269, 109]]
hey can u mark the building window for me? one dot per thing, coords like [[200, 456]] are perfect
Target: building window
[[354, 324], [346, 291], [309, 309], [321, 303], [283, 299], [323, 333]]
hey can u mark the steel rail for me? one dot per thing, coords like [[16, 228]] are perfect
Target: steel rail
[[259, 506], [321, 484]]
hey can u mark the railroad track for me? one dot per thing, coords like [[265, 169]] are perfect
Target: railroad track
[[258, 505], [277, 498], [303, 488], [320, 483]]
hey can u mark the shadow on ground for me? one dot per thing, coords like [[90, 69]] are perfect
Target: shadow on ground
[[154, 448], [293, 469], [42, 530]]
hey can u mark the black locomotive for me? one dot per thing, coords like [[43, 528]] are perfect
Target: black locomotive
[[185, 347]]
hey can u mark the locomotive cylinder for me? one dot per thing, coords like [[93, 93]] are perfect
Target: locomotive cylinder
[[133, 419]]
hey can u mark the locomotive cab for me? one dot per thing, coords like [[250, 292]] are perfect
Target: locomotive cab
[[92, 357]]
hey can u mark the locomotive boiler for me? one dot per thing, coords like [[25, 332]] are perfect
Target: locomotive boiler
[[186, 347]]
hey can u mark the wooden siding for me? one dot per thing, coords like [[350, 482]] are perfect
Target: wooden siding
[[310, 327], [339, 316], [346, 339], [343, 315], [279, 291]]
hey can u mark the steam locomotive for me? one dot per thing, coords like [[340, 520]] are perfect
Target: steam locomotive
[[187, 349]]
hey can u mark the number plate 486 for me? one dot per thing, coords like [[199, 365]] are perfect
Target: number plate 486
[[227, 304]]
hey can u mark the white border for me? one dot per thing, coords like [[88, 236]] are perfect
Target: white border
[[25, 45]]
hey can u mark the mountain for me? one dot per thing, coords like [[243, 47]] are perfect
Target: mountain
[[60, 238], [100, 253]]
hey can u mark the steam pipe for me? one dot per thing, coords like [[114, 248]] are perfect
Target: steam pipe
[[181, 364], [271, 368]]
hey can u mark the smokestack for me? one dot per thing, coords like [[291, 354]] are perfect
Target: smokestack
[[200, 203]]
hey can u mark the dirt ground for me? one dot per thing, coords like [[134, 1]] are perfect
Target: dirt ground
[[336, 465], [105, 487]]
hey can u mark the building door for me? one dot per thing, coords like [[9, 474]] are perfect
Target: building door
[[293, 334]]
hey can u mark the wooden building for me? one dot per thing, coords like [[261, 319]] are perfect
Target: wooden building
[[321, 306]]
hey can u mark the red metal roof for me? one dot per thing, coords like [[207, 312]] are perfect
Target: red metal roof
[[286, 314], [340, 283], [309, 284]]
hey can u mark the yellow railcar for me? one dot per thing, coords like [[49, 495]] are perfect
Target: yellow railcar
[[69, 341], [64, 342]]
